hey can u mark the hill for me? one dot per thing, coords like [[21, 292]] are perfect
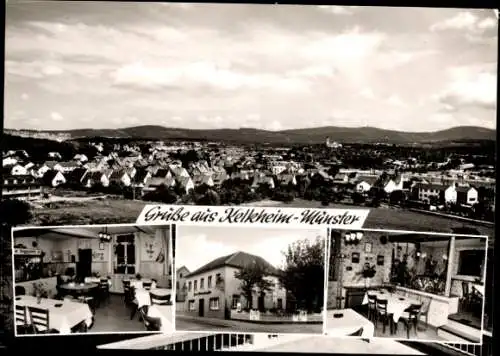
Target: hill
[[298, 136]]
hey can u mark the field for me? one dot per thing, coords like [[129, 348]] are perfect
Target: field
[[126, 211]]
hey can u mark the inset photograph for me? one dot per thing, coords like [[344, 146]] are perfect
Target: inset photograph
[[100, 278], [250, 279], [417, 286]]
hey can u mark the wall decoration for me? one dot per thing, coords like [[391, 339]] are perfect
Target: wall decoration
[[380, 260], [355, 257], [348, 268], [368, 247], [101, 245]]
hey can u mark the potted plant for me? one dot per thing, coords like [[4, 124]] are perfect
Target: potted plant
[[39, 291], [368, 273], [138, 276]]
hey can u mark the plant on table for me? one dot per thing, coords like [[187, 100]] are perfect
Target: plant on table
[[40, 290]]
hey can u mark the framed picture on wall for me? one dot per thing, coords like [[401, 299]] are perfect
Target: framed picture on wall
[[368, 247], [101, 246], [355, 257], [380, 260]]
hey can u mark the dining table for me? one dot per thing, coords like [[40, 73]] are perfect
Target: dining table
[[143, 296], [77, 289], [396, 303], [96, 280], [63, 314], [165, 314], [139, 283], [344, 322]]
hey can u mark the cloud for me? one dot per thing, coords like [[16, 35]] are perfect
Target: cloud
[[55, 116], [467, 21], [395, 100], [469, 88], [337, 10]]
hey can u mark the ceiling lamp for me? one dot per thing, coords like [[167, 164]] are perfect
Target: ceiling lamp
[[104, 235], [353, 238]]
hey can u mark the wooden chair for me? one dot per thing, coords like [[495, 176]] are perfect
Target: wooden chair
[[20, 290], [152, 324], [424, 311], [40, 320], [21, 321], [372, 306], [126, 292], [381, 305], [147, 285], [357, 333], [103, 290], [159, 299], [410, 317], [81, 327]]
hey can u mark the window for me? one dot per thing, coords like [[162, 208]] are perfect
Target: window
[[209, 282], [235, 301], [189, 286], [470, 263], [192, 305], [202, 283], [125, 254], [180, 275], [214, 304], [195, 286], [177, 284], [280, 303], [217, 278]]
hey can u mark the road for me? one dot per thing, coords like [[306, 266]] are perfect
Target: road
[[184, 323]]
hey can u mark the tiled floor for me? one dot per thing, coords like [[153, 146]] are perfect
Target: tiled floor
[[114, 316]]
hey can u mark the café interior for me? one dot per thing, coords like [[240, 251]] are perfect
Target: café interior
[[426, 287], [79, 279]]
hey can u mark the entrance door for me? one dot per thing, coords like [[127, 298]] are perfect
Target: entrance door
[[260, 302], [201, 307], [84, 265]]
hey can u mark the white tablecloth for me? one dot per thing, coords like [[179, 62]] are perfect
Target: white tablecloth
[[348, 324], [138, 284], [142, 296], [164, 312], [396, 304], [63, 318], [96, 280]]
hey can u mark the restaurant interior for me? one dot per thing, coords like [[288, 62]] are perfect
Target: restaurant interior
[[79, 279], [409, 285]]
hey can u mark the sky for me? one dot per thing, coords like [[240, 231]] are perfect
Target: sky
[[274, 67], [199, 245]]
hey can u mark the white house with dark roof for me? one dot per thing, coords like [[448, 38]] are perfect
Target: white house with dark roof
[[213, 290]]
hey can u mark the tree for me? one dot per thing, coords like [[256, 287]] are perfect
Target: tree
[[251, 276], [397, 197], [14, 212], [358, 198], [304, 273]]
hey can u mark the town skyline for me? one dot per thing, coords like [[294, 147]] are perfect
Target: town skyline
[[282, 67]]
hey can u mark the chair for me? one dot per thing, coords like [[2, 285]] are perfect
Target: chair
[[381, 305], [357, 333], [126, 292], [103, 290], [410, 317], [147, 285], [20, 290], [81, 327], [40, 321], [424, 311], [159, 299], [152, 324], [465, 300], [372, 306], [21, 321]]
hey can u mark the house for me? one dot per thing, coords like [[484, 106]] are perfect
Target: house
[[22, 187], [95, 178], [391, 183], [120, 177], [200, 179], [443, 194], [141, 177], [53, 178], [55, 155], [287, 179], [80, 157], [219, 175], [162, 173], [213, 289], [181, 284], [52, 165], [261, 178], [9, 161], [18, 170], [155, 183], [186, 183], [76, 176], [365, 183], [467, 195]]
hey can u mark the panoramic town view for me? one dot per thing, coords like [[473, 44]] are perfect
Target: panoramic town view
[[111, 106]]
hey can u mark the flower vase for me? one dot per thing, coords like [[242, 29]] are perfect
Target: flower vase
[[367, 283], [38, 298]]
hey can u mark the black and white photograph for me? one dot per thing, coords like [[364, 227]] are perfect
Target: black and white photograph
[[113, 105], [224, 104], [96, 279], [431, 287], [250, 279]]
